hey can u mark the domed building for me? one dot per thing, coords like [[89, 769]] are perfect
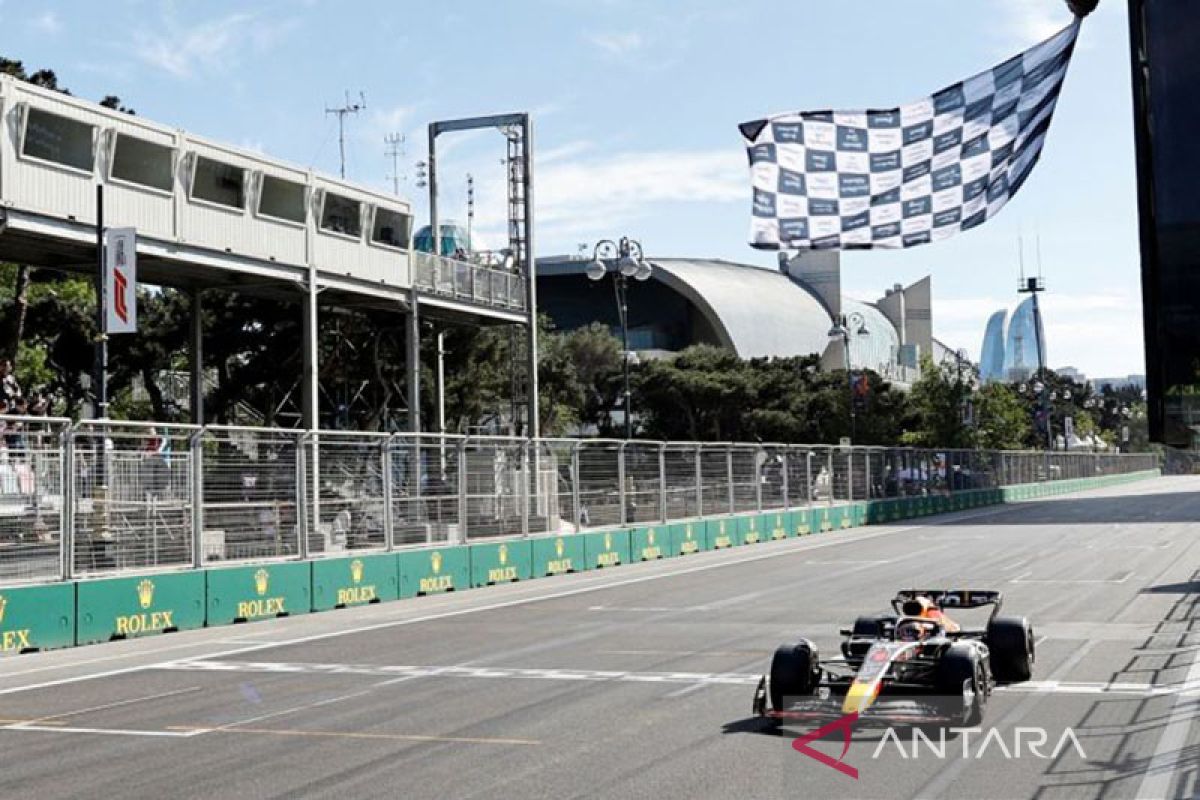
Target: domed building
[[751, 310]]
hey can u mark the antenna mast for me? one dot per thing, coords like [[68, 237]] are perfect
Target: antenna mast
[[395, 151], [348, 108]]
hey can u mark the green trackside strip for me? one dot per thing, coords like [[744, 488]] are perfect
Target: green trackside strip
[[138, 605], [259, 591], [501, 562], [434, 570], [650, 543], [354, 581], [37, 618], [605, 549], [558, 555], [721, 532], [748, 529], [688, 537], [802, 521], [776, 525]]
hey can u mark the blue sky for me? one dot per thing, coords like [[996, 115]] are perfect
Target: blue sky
[[636, 106]]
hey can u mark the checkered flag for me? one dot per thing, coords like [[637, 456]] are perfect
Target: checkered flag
[[905, 176]]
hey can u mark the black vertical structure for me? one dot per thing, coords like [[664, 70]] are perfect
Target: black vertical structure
[[100, 367], [1166, 106]]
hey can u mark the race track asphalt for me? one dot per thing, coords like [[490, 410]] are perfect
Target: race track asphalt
[[637, 682]]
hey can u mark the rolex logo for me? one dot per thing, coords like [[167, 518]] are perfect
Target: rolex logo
[[3, 603], [435, 561], [356, 570], [650, 535], [608, 541], [145, 592], [503, 554], [559, 547], [261, 580], [687, 531]]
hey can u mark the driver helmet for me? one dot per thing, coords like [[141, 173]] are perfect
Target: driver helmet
[[910, 631], [920, 606]]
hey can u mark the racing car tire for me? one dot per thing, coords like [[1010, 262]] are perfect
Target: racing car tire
[[961, 662], [795, 671], [1011, 645]]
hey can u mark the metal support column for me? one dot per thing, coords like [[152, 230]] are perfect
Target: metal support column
[[621, 482], [531, 279], [412, 362], [196, 464], [66, 534], [662, 482], [463, 506], [760, 461], [783, 466], [699, 481], [829, 467], [196, 359], [575, 493], [523, 494], [310, 400], [729, 476], [808, 487], [389, 513], [302, 490]]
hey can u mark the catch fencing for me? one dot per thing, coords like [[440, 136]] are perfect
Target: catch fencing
[[101, 497]]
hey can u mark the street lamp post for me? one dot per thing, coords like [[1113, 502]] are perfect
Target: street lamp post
[[841, 329], [624, 259]]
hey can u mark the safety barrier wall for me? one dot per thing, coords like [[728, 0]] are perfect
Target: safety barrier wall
[[100, 609], [107, 499]]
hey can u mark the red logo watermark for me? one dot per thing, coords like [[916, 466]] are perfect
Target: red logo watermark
[[846, 726]]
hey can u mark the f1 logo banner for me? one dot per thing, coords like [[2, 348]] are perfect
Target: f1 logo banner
[[120, 280]]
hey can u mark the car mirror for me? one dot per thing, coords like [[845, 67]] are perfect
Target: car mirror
[[846, 631]]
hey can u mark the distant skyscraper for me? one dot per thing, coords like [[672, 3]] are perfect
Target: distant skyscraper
[[1010, 351], [1021, 342], [991, 357]]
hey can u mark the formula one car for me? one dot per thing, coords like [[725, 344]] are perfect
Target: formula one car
[[916, 666]]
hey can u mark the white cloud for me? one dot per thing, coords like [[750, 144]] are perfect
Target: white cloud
[[591, 196], [47, 22], [618, 43], [183, 51]]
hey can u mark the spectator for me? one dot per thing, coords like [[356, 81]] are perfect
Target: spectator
[[9, 388]]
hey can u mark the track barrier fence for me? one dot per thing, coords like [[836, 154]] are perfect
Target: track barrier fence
[[106, 498]]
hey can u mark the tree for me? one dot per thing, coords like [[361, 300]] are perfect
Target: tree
[[937, 405], [1002, 421]]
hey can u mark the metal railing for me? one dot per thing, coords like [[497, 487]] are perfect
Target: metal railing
[[463, 280], [100, 498]]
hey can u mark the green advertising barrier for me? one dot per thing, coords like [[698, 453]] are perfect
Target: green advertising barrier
[[650, 543], [356, 581], [433, 570], [606, 548], [721, 533], [748, 529], [259, 591], [502, 562], [112, 608], [688, 538], [802, 521], [776, 524], [558, 555], [37, 618]]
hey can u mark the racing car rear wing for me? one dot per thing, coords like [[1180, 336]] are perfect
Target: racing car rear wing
[[952, 598]]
